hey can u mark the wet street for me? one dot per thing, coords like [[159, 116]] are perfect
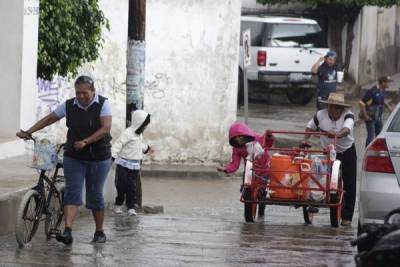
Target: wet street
[[202, 225]]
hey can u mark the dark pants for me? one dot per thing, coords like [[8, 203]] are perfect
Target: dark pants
[[349, 176], [126, 182], [374, 127]]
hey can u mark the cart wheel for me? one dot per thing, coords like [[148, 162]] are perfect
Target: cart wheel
[[250, 209], [308, 216], [335, 212], [261, 210], [261, 207]]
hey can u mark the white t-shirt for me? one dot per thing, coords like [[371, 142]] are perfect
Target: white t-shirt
[[323, 123]]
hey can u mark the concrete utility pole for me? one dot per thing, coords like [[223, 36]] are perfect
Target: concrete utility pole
[[135, 57]]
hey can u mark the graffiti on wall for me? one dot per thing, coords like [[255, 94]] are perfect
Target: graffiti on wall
[[31, 8], [157, 87], [48, 94]]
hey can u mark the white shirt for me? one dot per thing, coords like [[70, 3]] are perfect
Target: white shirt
[[322, 122]]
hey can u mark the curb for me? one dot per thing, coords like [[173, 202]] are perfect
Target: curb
[[180, 171], [9, 204]]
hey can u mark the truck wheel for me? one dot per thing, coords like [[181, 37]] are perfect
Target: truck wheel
[[297, 95], [240, 98]]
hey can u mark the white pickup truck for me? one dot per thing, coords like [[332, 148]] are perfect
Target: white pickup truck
[[283, 49]]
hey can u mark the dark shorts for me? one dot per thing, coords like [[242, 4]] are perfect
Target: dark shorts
[[93, 173]]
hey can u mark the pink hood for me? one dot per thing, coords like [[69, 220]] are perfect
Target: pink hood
[[240, 129], [238, 153]]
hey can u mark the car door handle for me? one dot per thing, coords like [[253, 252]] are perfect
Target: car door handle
[[297, 61], [273, 64]]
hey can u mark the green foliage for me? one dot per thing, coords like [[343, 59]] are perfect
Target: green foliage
[[69, 35]]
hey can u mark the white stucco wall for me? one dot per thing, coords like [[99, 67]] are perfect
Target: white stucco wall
[[29, 63], [354, 59], [11, 22], [191, 78], [374, 47]]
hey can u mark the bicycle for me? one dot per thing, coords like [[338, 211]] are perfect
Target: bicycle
[[46, 198]]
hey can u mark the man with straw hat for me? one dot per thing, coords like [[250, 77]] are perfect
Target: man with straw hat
[[338, 121]]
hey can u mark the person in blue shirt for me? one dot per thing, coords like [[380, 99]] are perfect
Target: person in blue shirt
[[326, 70], [87, 156], [372, 106]]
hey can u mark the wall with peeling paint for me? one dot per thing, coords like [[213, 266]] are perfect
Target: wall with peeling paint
[[18, 55], [377, 48], [191, 78]]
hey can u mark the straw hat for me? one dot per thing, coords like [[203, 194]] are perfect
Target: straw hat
[[336, 99]]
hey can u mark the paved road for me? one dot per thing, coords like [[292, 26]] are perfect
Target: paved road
[[202, 225]]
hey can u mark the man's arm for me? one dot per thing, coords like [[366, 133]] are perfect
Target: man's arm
[[363, 111], [343, 133], [314, 68], [44, 122], [312, 126], [307, 136], [105, 127]]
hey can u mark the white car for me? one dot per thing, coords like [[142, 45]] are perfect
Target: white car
[[283, 50], [380, 175]]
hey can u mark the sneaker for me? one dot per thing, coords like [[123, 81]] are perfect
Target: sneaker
[[131, 212], [99, 237], [65, 237], [345, 223], [117, 209]]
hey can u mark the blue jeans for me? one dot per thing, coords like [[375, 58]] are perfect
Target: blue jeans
[[374, 127], [94, 173]]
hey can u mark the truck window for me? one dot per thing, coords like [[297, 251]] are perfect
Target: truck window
[[256, 31], [296, 35]]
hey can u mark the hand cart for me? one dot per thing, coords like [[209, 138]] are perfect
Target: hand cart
[[298, 177]]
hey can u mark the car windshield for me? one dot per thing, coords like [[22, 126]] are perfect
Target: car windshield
[[395, 123], [297, 35]]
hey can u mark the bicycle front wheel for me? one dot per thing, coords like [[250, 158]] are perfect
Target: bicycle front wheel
[[54, 213], [28, 217]]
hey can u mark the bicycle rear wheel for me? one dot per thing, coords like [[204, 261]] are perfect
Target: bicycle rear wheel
[[28, 217], [55, 212]]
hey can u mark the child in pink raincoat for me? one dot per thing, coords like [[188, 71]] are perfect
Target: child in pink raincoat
[[241, 138]]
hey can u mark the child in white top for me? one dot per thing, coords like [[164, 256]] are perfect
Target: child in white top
[[128, 151]]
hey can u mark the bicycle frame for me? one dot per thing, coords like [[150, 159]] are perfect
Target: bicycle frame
[[44, 183]]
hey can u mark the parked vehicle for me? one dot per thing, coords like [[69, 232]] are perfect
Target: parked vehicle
[[380, 174], [379, 245], [283, 50]]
